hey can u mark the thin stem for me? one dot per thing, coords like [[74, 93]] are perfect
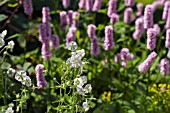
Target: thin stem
[[8, 20]]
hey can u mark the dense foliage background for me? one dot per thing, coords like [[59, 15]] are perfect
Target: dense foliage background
[[116, 89]]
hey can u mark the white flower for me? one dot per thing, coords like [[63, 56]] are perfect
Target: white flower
[[78, 81], [74, 62], [86, 106], [87, 88], [80, 90], [84, 79], [11, 45], [2, 42], [79, 54], [26, 81], [11, 72], [9, 110], [3, 34], [72, 46], [20, 75]]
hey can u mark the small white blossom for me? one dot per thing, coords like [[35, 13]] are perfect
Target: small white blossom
[[72, 46], [87, 88], [79, 53], [3, 34], [11, 72], [11, 45], [78, 81], [20, 75], [26, 81], [80, 90], [86, 106], [9, 110], [84, 79], [2, 42], [74, 62]]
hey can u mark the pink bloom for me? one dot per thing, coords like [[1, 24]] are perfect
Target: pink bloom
[[139, 29], [89, 5], [114, 18], [108, 42], [128, 15], [44, 32], [97, 5], [75, 18], [28, 9], [45, 51], [156, 4], [165, 10], [94, 47], [151, 39], [168, 54], [164, 66], [167, 41], [112, 7], [117, 58], [157, 29], [63, 19], [125, 55], [129, 3], [69, 17], [45, 14], [148, 17], [55, 41], [41, 82], [66, 3], [71, 35], [91, 31], [145, 66], [82, 4], [140, 9], [167, 26]]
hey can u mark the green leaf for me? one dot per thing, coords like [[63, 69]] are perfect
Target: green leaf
[[13, 36], [2, 17], [131, 111], [26, 65], [12, 5]]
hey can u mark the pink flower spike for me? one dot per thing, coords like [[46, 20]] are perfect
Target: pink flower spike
[[28, 9], [66, 3], [128, 15], [63, 20], [97, 5], [145, 66], [91, 31], [164, 66], [41, 82], [148, 17]]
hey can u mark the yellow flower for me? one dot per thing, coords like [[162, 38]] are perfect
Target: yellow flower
[[106, 96]]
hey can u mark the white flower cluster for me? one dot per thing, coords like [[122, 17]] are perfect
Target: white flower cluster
[[20, 76], [86, 106], [76, 59], [80, 82], [81, 89], [9, 109], [11, 45], [2, 35]]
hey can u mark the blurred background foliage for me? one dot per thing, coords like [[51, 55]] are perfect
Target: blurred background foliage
[[116, 89]]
